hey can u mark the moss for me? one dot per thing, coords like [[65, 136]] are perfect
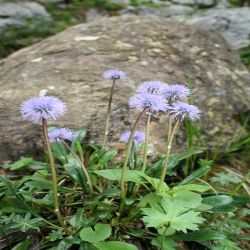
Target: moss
[[146, 3], [16, 38], [245, 55], [238, 3]]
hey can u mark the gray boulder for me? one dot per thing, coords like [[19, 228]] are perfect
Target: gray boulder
[[233, 24], [70, 66], [15, 14]]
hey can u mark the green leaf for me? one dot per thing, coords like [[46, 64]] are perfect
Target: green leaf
[[80, 135], [191, 199], [56, 235], [66, 243], [115, 175], [226, 178], [114, 245], [24, 162], [25, 223], [188, 220], [239, 223], [87, 246], [192, 187], [77, 219], [174, 160], [75, 171], [202, 235], [196, 174], [9, 204], [150, 198], [59, 151], [107, 156], [155, 183], [220, 203], [101, 232], [226, 245], [174, 212], [164, 243], [23, 245]]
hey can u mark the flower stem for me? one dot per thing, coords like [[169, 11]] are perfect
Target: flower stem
[[127, 154], [165, 167], [54, 178], [145, 153], [82, 165], [146, 144], [108, 115]]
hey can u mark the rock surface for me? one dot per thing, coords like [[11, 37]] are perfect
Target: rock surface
[[70, 65], [15, 14], [233, 24]]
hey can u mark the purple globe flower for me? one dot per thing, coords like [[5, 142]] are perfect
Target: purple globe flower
[[152, 103], [182, 109], [151, 87], [139, 137], [175, 92], [47, 107], [61, 134], [114, 74]]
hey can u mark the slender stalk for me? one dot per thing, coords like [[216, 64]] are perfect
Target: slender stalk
[[146, 144], [145, 153], [54, 178], [108, 115], [127, 154], [169, 127], [133, 156], [82, 165], [165, 167]]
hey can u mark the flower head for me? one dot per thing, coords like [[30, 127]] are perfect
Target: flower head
[[182, 109], [175, 92], [114, 74], [61, 134], [152, 103], [151, 87], [139, 137], [47, 107]]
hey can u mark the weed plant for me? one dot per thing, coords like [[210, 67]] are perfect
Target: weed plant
[[90, 197]]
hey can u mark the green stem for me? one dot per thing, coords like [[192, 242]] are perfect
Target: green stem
[[145, 153], [82, 165], [146, 144], [163, 236], [165, 167], [108, 115], [169, 127], [54, 178], [127, 154], [133, 156]]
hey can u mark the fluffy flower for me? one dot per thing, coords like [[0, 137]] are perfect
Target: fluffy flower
[[61, 134], [153, 103], [175, 92], [114, 74], [151, 87], [139, 137], [182, 109], [47, 107]]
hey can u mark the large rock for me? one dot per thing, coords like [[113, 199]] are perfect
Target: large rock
[[16, 14], [70, 65], [233, 24]]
